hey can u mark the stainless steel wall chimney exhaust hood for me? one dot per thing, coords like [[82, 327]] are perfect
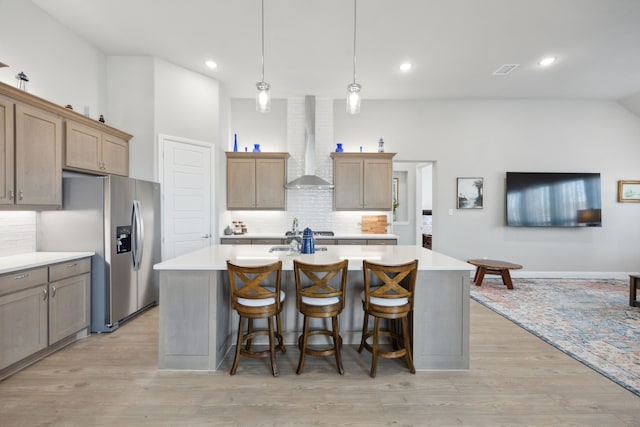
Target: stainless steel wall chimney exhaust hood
[[309, 181]]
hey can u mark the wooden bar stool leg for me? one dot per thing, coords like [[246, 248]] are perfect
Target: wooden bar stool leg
[[249, 332], [376, 343], [365, 327], [272, 347], [407, 345], [280, 336], [303, 344], [337, 343], [236, 359]]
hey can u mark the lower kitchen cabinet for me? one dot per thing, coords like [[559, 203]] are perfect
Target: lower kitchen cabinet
[[69, 306], [241, 241], [23, 315], [40, 310], [382, 241]]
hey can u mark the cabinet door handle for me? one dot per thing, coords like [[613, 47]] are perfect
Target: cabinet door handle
[[44, 293], [206, 236], [12, 194], [53, 291], [21, 276], [21, 195], [72, 265]]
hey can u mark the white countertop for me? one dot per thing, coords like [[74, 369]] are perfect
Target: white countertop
[[282, 236], [37, 259], [215, 257]]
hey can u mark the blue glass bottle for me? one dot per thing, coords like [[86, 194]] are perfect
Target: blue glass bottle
[[339, 148], [256, 148], [235, 142]]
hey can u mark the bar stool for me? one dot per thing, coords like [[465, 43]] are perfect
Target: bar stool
[[320, 293], [256, 295], [388, 294]]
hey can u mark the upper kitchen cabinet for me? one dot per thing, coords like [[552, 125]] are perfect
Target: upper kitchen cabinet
[[362, 181], [90, 149], [7, 160], [255, 181], [30, 153]]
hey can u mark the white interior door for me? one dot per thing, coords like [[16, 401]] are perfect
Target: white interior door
[[186, 195]]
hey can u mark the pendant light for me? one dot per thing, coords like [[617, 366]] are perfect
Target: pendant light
[[263, 94], [353, 89]]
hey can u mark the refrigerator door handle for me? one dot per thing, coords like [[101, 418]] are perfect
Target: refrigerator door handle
[[138, 235]]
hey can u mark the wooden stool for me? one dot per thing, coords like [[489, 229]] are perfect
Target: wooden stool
[[388, 294], [320, 297], [492, 266], [255, 296], [634, 284]]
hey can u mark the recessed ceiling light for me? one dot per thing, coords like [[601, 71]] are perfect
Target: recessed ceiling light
[[211, 64], [405, 67], [545, 62]]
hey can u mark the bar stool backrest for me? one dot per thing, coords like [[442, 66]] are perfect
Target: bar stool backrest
[[384, 283], [320, 281], [261, 282]]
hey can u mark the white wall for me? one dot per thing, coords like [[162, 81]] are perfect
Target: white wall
[[131, 99], [186, 103], [631, 103], [62, 68], [488, 138], [269, 130], [149, 96]]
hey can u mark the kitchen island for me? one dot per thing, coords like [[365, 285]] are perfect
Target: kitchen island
[[197, 326]]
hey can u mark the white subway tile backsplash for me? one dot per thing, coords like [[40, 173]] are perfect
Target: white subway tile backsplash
[[17, 232]]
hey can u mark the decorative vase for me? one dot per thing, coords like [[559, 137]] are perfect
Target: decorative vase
[[256, 148], [339, 148], [235, 142]]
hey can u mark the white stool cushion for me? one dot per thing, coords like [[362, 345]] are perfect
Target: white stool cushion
[[261, 302], [320, 301], [386, 302]]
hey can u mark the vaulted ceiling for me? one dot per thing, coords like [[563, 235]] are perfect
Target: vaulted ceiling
[[453, 45]]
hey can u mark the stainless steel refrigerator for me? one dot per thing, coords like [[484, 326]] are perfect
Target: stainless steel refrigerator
[[118, 218]]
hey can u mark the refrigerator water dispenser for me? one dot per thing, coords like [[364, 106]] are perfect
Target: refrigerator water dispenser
[[123, 239]]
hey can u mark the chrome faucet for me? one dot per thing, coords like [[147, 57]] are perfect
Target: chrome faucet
[[295, 240]]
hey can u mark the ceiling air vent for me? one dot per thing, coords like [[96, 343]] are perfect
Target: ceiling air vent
[[505, 69]]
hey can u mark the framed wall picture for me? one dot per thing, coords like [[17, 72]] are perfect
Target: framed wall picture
[[629, 191], [470, 193]]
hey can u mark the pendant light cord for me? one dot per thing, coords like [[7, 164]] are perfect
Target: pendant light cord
[[263, 40], [354, 40]]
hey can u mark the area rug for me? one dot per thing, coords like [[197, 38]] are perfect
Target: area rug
[[590, 320]]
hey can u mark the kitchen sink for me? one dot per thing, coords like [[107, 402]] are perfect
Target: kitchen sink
[[279, 248]]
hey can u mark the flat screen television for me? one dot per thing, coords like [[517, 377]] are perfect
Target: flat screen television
[[543, 199]]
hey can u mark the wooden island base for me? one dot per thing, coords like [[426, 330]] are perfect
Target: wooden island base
[[197, 326]]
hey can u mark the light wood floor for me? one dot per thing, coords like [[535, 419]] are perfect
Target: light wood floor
[[515, 380]]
